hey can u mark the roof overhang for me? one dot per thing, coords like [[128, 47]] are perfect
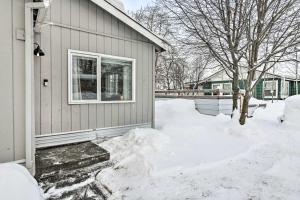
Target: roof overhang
[[122, 16]]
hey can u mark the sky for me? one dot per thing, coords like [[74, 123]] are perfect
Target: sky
[[133, 5]]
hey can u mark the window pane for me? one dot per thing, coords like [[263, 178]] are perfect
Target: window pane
[[116, 80], [84, 74], [286, 88], [227, 86], [216, 86], [270, 88]]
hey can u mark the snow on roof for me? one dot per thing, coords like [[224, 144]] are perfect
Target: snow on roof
[[211, 73], [287, 70]]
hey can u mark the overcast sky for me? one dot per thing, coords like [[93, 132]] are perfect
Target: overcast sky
[[135, 4]]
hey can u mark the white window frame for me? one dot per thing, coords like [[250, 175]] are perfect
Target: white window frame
[[266, 81], [98, 56], [214, 84], [221, 87], [284, 92], [230, 92]]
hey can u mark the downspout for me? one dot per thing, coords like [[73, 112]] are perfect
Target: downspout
[[297, 68], [29, 83]]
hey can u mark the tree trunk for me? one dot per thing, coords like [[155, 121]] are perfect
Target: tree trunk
[[245, 106], [236, 90]]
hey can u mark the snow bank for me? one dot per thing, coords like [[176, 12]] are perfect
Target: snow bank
[[185, 139], [16, 183], [271, 113], [256, 101], [292, 110], [194, 156]]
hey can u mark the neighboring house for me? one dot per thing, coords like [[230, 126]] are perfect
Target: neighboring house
[[96, 78], [270, 86]]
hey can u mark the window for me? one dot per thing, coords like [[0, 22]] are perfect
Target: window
[[216, 86], [284, 88], [84, 78], [98, 78], [270, 89], [227, 87], [116, 79]]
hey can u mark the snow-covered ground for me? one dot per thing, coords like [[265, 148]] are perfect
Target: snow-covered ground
[[193, 156], [16, 183]]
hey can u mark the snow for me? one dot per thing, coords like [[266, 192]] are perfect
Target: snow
[[16, 183], [194, 156], [256, 101], [292, 110]]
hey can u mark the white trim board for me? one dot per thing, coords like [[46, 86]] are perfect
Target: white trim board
[[42, 141], [284, 93], [131, 22]]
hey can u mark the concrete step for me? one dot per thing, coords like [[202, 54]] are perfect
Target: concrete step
[[88, 192], [50, 161], [76, 184], [65, 178], [69, 172]]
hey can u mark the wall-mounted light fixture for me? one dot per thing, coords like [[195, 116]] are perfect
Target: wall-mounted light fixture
[[38, 51], [45, 82]]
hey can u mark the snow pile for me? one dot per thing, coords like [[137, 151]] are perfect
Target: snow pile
[[135, 149], [16, 183], [271, 113], [256, 101], [194, 156], [292, 110]]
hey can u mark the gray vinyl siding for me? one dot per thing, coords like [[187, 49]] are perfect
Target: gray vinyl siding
[[52, 111], [12, 81], [105, 34]]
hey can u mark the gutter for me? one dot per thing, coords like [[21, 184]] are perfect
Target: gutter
[[29, 82]]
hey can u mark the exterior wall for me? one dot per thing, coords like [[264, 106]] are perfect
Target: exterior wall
[[54, 115], [81, 25], [12, 81]]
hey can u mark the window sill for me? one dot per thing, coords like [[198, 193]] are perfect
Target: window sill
[[270, 97], [100, 102]]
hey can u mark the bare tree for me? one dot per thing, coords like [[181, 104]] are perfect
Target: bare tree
[[171, 66], [198, 67], [247, 35], [217, 26], [173, 70], [272, 34]]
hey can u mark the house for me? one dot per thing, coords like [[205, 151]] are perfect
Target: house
[[95, 79], [271, 86]]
